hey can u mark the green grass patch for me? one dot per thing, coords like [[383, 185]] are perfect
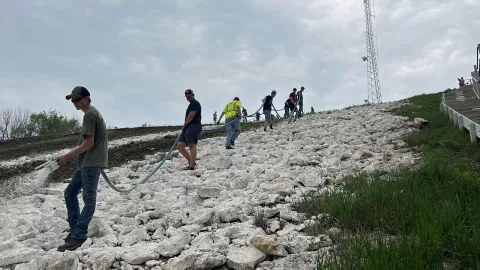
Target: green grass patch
[[426, 217], [260, 220]]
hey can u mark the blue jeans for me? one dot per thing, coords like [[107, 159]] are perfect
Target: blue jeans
[[233, 130], [85, 179], [300, 109]]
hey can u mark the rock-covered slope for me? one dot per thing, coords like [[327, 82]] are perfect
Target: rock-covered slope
[[204, 219]]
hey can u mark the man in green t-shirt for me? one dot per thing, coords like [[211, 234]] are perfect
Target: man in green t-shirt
[[92, 157], [232, 120]]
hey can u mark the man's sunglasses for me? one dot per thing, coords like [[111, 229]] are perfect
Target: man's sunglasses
[[76, 100]]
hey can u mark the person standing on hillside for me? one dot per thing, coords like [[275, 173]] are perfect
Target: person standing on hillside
[[267, 109], [286, 107], [215, 117], [300, 102], [191, 129], [92, 157], [244, 112], [232, 119], [292, 103]]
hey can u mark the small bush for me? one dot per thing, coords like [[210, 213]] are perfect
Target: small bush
[[260, 220]]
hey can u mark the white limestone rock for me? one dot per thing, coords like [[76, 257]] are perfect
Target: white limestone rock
[[239, 231], [229, 214], [268, 245], [297, 243], [52, 203], [19, 255], [209, 241], [102, 261], [183, 262], [199, 216], [304, 260], [290, 215], [31, 265], [219, 163], [153, 225], [153, 263], [6, 245], [244, 258], [361, 155], [133, 237], [240, 182], [65, 263], [209, 260], [173, 246], [159, 234], [212, 191], [139, 255]]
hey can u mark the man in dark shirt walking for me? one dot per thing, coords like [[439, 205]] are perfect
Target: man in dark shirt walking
[[191, 129], [286, 107], [92, 157], [267, 109], [300, 102]]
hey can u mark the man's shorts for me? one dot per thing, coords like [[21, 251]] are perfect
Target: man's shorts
[[268, 115], [191, 135]]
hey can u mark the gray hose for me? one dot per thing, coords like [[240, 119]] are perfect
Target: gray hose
[[160, 164], [276, 111], [220, 127], [251, 115], [147, 177]]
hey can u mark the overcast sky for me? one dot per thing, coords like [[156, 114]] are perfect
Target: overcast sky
[[138, 57]]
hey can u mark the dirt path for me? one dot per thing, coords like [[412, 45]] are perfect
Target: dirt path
[[35, 145], [117, 156]]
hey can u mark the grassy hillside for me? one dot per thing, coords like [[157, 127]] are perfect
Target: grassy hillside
[[427, 217]]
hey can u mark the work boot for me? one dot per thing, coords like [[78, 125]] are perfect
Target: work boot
[[229, 147], [271, 127], [71, 244], [232, 143]]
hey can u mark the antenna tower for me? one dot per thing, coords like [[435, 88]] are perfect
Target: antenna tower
[[374, 92]]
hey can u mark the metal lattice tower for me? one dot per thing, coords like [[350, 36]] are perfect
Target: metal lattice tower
[[374, 91]]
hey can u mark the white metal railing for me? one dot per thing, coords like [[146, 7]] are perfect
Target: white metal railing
[[461, 121], [475, 83]]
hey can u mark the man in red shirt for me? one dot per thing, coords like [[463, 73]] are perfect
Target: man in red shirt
[[292, 103]]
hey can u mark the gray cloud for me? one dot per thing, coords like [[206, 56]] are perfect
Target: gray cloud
[[138, 58]]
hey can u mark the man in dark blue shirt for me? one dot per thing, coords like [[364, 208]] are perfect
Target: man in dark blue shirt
[[191, 129], [300, 102], [267, 109]]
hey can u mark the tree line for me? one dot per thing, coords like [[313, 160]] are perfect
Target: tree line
[[21, 123]]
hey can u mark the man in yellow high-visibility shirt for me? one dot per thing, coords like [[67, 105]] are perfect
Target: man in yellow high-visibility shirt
[[232, 119]]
